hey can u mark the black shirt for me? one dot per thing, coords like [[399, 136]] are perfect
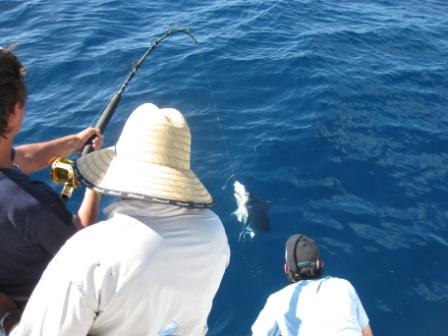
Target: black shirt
[[34, 224]]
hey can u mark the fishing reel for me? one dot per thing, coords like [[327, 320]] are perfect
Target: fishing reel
[[62, 172]]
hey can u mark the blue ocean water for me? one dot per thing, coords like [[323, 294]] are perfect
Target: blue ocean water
[[334, 110]]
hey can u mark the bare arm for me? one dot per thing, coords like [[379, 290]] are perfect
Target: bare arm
[[32, 157], [367, 331], [88, 211]]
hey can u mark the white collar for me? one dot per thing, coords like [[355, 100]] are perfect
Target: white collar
[[145, 208]]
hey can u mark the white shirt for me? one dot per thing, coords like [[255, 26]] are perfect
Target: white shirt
[[327, 306], [149, 269]]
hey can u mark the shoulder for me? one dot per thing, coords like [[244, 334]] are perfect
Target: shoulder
[[18, 185], [26, 201], [341, 286], [204, 213], [338, 281], [18, 191], [13, 180], [106, 235], [204, 220], [84, 248], [282, 294], [210, 216]]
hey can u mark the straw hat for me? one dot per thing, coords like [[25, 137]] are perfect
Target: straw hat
[[151, 161]]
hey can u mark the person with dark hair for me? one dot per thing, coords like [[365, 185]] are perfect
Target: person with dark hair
[[314, 304], [34, 221]]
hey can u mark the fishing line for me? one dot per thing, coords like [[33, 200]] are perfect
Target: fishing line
[[218, 121], [103, 65], [251, 211], [242, 196]]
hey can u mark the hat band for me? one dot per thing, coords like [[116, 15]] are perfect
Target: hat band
[[125, 194]]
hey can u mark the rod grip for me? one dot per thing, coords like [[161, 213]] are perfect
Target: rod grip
[[103, 121]]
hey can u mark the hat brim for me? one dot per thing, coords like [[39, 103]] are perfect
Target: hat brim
[[108, 174]]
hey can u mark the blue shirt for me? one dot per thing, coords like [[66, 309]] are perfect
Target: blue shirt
[[34, 224]]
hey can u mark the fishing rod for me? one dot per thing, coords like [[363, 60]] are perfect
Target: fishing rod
[[109, 110], [62, 168]]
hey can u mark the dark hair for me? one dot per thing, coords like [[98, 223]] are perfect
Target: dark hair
[[302, 258], [12, 87], [305, 273], [309, 272]]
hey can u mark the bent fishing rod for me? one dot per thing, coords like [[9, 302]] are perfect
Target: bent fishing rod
[[110, 108], [62, 171]]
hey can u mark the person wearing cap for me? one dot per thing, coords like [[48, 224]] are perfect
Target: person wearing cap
[[34, 221], [155, 264], [314, 304]]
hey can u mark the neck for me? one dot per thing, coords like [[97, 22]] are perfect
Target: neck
[[5, 153]]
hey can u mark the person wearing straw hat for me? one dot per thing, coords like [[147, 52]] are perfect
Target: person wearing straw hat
[[314, 304], [34, 221], [155, 264]]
